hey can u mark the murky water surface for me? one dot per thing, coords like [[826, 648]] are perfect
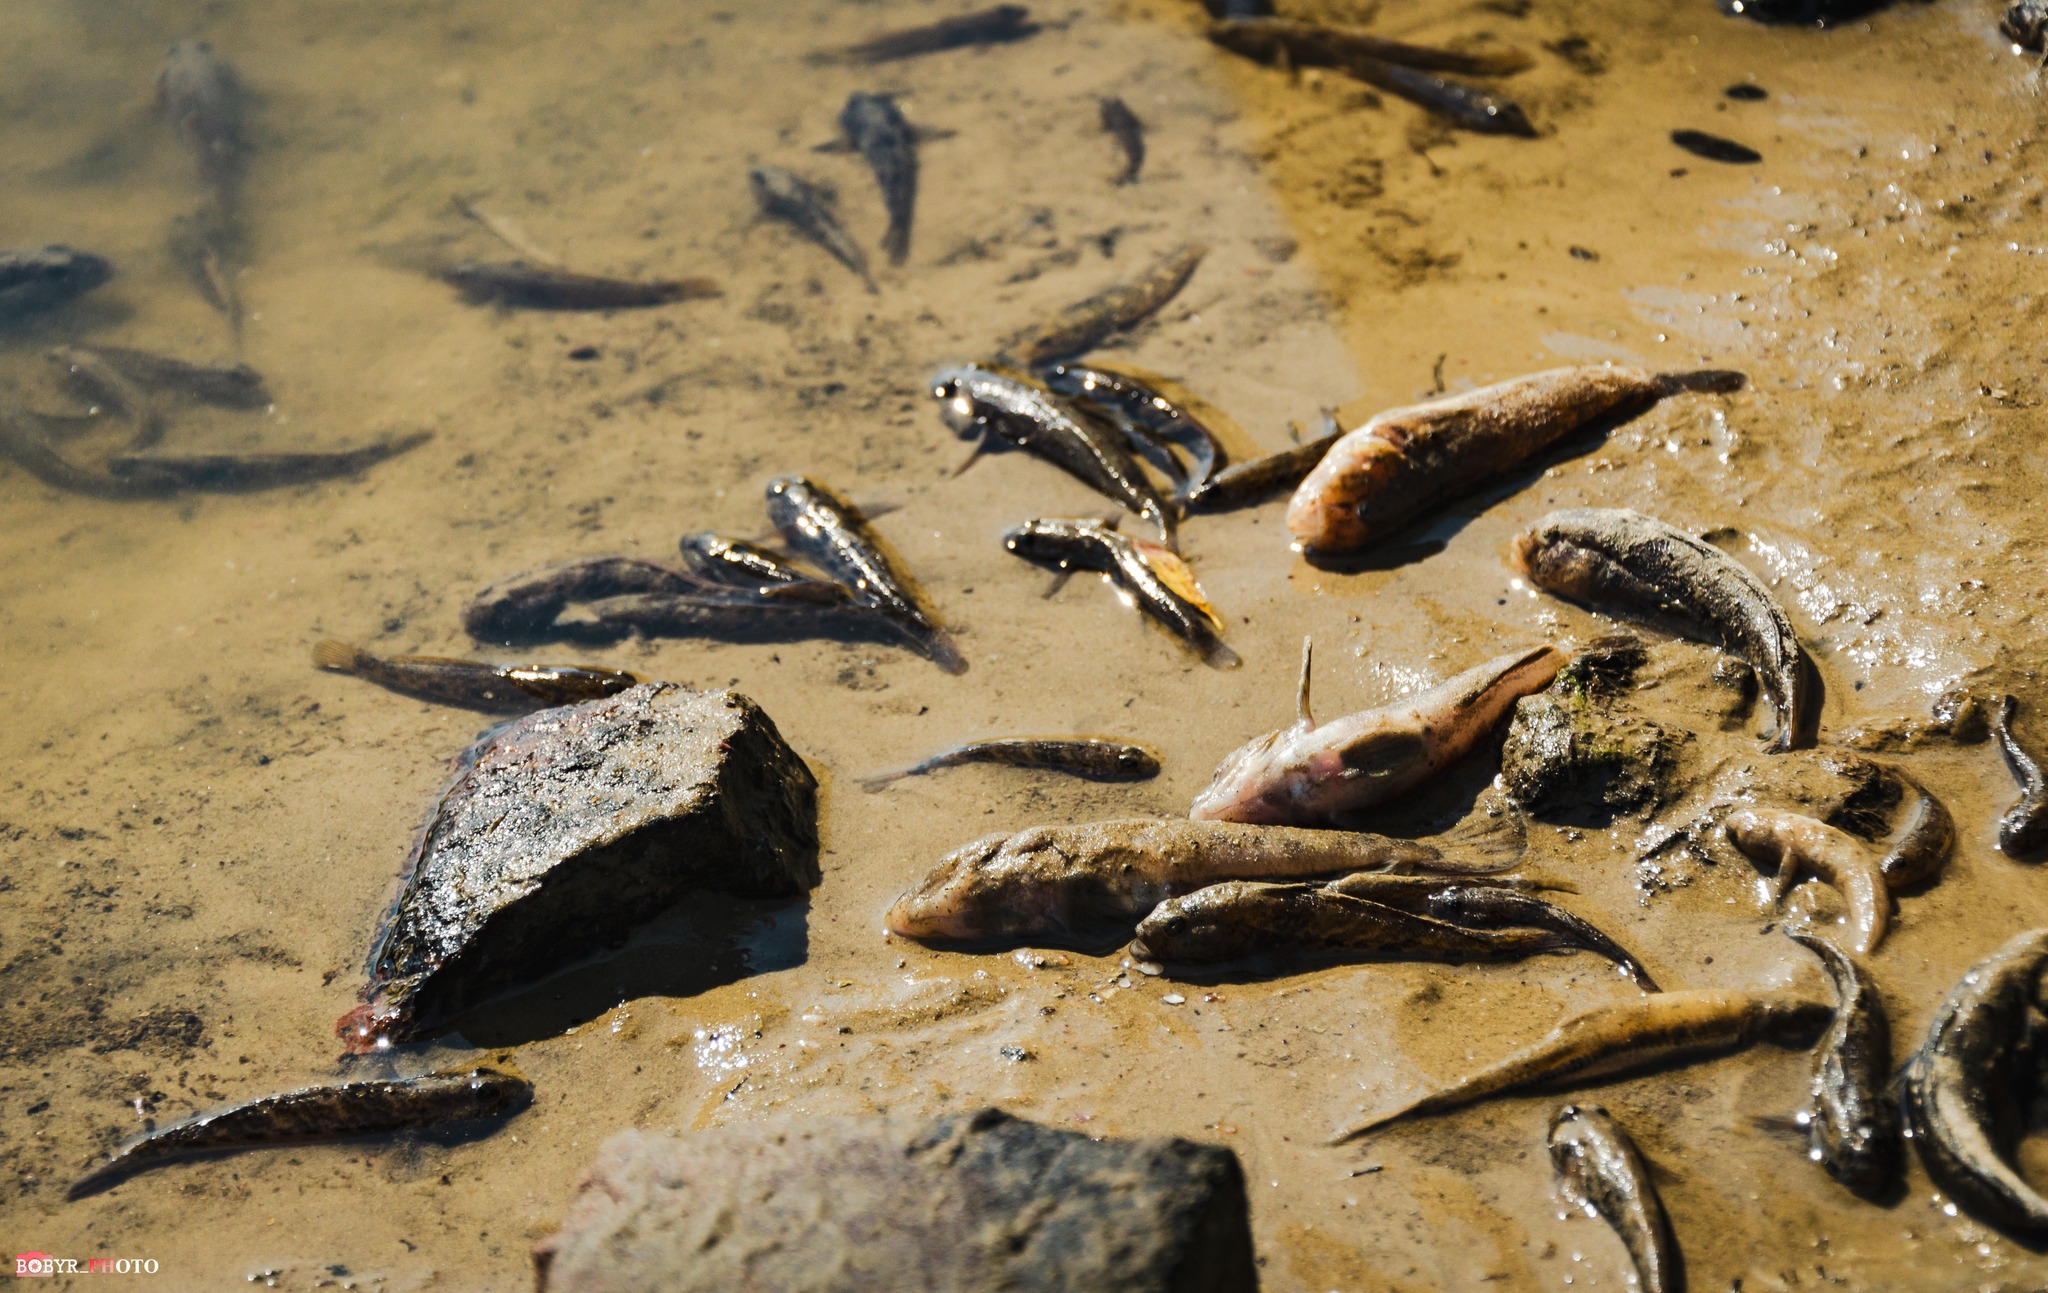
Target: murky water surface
[[198, 832]]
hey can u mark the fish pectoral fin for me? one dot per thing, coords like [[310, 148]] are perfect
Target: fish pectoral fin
[[1381, 754], [1059, 581], [833, 146]]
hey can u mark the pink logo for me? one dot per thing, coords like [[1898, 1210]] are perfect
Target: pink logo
[[38, 1264]]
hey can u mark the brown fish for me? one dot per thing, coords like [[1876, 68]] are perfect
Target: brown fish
[[1129, 132], [261, 469], [1600, 1170], [1087, 324], [1793, 842], [1607, 1041], [1245, 483], [1000, 25], [518, 285], [1086, 883], [473, 683], [1313, 44], [1405, 462], [1093, 757], [1236, 918]]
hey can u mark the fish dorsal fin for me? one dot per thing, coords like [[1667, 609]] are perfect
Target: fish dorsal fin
[[1302, 716]]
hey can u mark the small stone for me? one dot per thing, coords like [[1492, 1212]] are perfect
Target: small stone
[[962, 1202], [1173, 999], [1014, 1054]]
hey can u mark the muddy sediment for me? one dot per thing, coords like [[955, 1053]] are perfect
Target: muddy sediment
[[198, 831]]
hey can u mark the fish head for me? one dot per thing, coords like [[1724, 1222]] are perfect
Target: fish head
[[1218, 923], [1311, 777], [953, 388], [1328, 512], [973, 895], [1258, 783], [1136, 762]]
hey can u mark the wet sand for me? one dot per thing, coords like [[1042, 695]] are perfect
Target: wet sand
[[199, 832]]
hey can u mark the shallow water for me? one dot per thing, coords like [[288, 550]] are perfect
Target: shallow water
[[199, 832]]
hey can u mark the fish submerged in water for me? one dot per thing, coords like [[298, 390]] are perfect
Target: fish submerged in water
[[1152, 420], [524, 606], [807, 208], [1853, 1127], [472, 683], [1643, 569], [1089, 883], [202, 98], [1794, 842], [2024, 828], [1153, 575], [834, 533], [1311, 775], [1086, 324], [319, 1113], [1965, 1092], [230, 472], [40, 278], [1388, 65], [1601, 1172], [1607, 1041], [991, 403], [1000, 25], [228, 386], [873, 126], [1129, 132], [1093, 757], [515, 284], [1240, 917], [1403, 463]]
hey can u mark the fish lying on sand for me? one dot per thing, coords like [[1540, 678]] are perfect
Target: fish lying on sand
[[1154, 576], [992, 405], [1245, 483], [523, 607], [1087, 324], [1155, 422], [1601, 1172], [473, 683], [1129, 132], [1853, 1127], [1966, 1091], [1237, 918], [1319, 775], [1794, 842], [1091, 882], [1096, 758], [738, 564], [994, 26], [2024, 828], [836, 535], [318, 1113], [1926, 835], [515, 284], [808, 209], [231, 386], [1607, 1041], [1404, 463], [1643, 569]]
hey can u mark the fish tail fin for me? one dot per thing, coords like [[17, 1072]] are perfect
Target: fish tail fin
[[105, 1177], [1346, 1135], [1216, 653], [338, 656], [877, 781], [896, 243], [1703, 381], [1487, 843]]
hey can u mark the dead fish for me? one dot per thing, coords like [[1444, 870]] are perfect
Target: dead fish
[[728, 615], [1147, 415], [38, 278], [258, 470], [1714, 148], [1129, 132], [1488, 907], [1087, 324], [1083, 883], [1853, 1128], [1310, 775], [1311, 44], [473, 683], [515, 284], [1965, 1092], [1920, 846], [1000, 25], [2024, 828], [1093, 757], [739, 564], [1643, 569], [834, 533], [1794, 842], [1151, 574], [988, 403], [333, 1112], [228, 386], [1406, 462], [202, 98], [1238, 918], [524, 605], [1601, 1172], [1261, 478], [1608, 1041], [874, 127], [789, 197]]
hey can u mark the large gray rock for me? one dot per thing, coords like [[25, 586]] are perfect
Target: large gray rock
[[969, 1201], [566, 828]]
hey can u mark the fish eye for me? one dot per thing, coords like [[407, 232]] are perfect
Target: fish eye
[[1176, 924]]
